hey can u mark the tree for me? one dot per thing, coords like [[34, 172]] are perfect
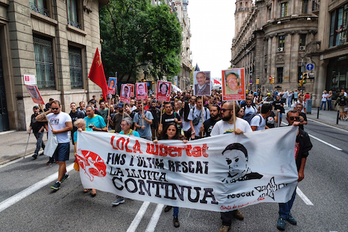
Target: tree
[[133, 32]]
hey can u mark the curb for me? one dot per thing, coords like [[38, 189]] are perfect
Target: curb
[[342, 127]]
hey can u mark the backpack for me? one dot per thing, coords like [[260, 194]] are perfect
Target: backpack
[[343, 101], [259, 117], [196, 120], [248, 117]]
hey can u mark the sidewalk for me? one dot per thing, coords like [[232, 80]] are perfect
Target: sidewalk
[[13, 143]]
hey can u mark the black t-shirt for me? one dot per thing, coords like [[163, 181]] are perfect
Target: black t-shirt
[[35, 125], [156, 114], [74, 117], [209, 125], [304, 118], [270, 122], [278, 106], [169, 118]]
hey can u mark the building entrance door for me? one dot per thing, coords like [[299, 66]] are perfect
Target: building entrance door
[[4, 123]]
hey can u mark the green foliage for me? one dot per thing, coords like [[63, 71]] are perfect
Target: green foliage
[[133, 32]]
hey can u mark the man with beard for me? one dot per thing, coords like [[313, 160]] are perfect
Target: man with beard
[[61, 125], [38, 130], [224, 126], [117, 119], [156, 114], [209, 124]]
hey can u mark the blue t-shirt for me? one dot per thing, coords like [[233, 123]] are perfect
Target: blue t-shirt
[[75, 134], [147, 131], [96, 121], [135, 133]]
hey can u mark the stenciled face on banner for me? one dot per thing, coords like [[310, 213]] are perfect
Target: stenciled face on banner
[[112, 85], [233, 87], [141, 90], [163, 91], [201, 82], [125, 93]]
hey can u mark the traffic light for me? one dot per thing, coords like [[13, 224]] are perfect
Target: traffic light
[[300, 82], [272, 80], [304, 78]]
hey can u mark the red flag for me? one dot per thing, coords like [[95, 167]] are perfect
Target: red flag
[[97, 75], [217, 82]]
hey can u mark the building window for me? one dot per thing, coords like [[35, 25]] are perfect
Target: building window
[[280, 75], [284, 9], [338, 26], [302, 39], [281, 43], [74, 13], [44, 62], [304, 7], [75, 63], [39, 6]]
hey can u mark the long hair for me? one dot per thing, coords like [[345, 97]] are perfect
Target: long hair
[[185, 111], [164, 132]]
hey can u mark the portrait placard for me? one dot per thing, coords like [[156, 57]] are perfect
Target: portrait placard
[[125, 93], [163, 90], [35, 94], [141, 90], [112, 85], [233, 84], [201, 83]]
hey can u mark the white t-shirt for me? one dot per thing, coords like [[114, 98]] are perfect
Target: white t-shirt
[[222, 127], [324, 96], [256, 122], [197, 113], [58, 122], [250, 110]]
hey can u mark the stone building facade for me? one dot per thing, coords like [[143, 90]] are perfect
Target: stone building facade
[[53, 40], [329, 52], [272, 42]]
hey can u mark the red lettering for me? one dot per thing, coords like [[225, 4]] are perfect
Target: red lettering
[[204, 150], [174, 151], [196, 152], [152, 149], [120, 140], [126, 146], [188, 148], [136, 147], [162, 150], [112, 142]]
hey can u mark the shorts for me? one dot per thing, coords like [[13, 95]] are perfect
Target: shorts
[[62, 152], [341, 108]]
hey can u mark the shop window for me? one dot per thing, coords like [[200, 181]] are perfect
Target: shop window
[[39, 6], [284, 9], [75, 64], [74, 12], [280, 75], [338, 26], [44, 62]]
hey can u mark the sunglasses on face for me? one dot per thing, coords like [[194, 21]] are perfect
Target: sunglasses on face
[[54, 108], [223, 110], [295, 118]]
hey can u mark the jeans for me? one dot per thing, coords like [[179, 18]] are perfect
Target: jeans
[[226, 218], [175, 211], [323, 103], [329, 107], [39, 142], [285, 208], [289, 102]]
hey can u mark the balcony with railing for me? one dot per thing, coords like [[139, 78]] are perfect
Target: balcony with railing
[[315, 7], [41, 10]]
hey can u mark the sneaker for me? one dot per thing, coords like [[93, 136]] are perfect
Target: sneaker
[[56, 186], [50, 161], [167, 208], [291, 220], [176, 222], [42, 153], [224, 228], [34, 156], [119, 200], [238, 215], [66, 176], [281, 224]]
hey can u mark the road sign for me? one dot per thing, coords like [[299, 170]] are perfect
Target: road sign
[[310, 66]]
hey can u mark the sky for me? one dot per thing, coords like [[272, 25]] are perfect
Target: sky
[[212, 29]]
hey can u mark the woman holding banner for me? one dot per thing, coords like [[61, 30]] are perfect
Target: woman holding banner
[[171, 132]]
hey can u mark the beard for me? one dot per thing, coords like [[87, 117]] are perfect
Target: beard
[[120, 110], [226, 118], [215, 117]]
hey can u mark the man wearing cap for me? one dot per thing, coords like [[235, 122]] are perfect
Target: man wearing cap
[[115, 122], [38, 130]]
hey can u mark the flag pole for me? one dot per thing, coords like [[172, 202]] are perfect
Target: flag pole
[[234, 116], [107, 125], [202, 134]]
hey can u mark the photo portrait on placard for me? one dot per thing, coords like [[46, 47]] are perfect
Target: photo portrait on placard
[[112, 85], [141, 90], [233, 87], [131, 89], [163, 90], [125, 92], [35, 94], [201, 82]]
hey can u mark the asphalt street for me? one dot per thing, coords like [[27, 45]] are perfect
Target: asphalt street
[[321, 207]]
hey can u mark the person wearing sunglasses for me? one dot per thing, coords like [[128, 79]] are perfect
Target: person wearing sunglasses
[[61, 125], [302, 147]]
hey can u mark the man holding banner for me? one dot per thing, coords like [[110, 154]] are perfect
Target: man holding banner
[[61, 125]]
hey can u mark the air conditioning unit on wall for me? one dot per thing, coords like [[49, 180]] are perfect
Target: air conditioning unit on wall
[[280, 49], [302, 48]]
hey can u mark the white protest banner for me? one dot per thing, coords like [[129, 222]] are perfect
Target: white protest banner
[[219, 173], [29, 79]]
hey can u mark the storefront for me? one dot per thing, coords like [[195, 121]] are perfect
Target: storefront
[[337, 75]]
